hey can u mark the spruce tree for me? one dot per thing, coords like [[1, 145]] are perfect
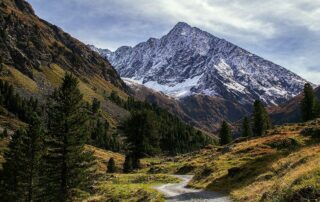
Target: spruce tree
[[100, 135], [69, 168], [95, 105], [11, 177], [225, 134], [127, 165], [141, 131], [21, 172], [111, 167], [307, 103], [5, 133], [261, 121], [316, 108], [246, 128]]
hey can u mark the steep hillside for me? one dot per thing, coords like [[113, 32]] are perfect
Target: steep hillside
[[289, 112], [35, 54], [281, 166]]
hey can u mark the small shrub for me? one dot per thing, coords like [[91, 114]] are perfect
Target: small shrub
[[289, 143], [111, 168], [185, 169], [308, 193], [232, 172], [313, 132]]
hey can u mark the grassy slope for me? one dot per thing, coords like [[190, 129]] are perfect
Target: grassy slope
[[271, 168]]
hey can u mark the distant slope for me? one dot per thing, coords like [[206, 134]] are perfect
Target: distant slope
[[289, 112]]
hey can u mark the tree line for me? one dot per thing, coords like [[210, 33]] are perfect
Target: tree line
[[17, 105], [151, 130], [254, 127]]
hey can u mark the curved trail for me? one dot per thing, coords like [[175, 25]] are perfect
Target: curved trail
[[179, 192]]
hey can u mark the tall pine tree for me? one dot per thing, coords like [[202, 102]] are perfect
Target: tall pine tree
[[21, 172], [141, 131], [246, 128], [69, 168], [261, 121], [225, 134], [309, 104]]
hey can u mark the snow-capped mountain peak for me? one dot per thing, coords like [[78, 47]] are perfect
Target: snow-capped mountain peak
[[190, 61]]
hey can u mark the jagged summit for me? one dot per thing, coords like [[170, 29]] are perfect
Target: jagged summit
[[190, 61]]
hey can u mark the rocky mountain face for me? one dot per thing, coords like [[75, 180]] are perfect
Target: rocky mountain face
[[190, 61]]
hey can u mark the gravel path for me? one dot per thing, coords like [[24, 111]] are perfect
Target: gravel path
[[179, 192]]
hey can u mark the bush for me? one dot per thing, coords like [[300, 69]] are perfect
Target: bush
[[308, 193], [311, 131], [289, 143]]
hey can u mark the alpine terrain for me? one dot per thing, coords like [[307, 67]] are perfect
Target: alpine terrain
[[191, 65]]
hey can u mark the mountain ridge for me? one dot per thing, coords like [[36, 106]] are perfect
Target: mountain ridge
[[190, 61]]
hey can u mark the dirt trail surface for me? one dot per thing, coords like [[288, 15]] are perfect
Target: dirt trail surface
[[179, 192]]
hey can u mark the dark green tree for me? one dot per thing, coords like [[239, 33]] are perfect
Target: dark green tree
[[261, 121], [316, 108], [114, 97], [141, 131], [95, 105], [11, 177], [69, 168], [225, 134], [307, 103], [246, 128], [111, 167], [21, 172], [99, 135], [5, 133], [127, 165]]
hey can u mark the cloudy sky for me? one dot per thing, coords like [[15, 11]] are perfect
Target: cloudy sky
[[286, 32]]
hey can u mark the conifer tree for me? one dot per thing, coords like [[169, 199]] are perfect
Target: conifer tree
[[21, 172], [307, 103], [5, 133], [316, 108], [225, 134], [10, 176], [69, 168], [141, 131], [261, 121], [111, 167], [127, 165], [246, 128], [95, 105]]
